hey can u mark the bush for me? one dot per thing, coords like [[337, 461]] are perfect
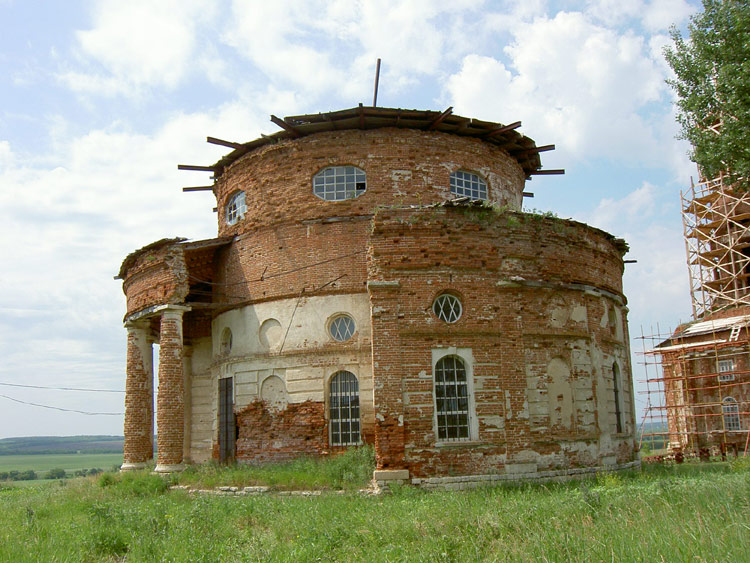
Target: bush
[[28, 475], [56, 473]]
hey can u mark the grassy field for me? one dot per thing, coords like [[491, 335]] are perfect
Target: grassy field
[[679, 513], [70, 462]]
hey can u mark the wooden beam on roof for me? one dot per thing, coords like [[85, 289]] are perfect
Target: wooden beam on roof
[[547, 172], [465, 124], [361, 116], [503, 129], [533, 150], [223, 143], [439, 119], [198, 189], [528, 194], [286, 126], [196, 167]]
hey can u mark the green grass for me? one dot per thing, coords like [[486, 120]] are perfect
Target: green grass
[[678, 513], [350, 470], [70, 462]]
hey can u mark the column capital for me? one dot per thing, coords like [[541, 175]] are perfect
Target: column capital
[[139, 324], [173, 311]]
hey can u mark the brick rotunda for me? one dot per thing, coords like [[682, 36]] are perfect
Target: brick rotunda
[[375, 281]]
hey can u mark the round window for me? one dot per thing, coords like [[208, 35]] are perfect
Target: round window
[[342, 328], [447, 307]]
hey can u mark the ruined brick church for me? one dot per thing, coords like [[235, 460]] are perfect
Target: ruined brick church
[[375, 281]]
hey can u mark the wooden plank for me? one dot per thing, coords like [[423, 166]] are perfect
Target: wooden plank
[[533, 150], [223, 143], [547, 172], [528, 194], [198, 189], [286, 126], [439, 119], [504, 129], [195, 167]]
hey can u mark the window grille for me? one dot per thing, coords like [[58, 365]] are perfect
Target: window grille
[[468, 185], [447, 307], [342, 328], [451, 399], [731, 412], [337, 183], [236, 208], [344, 409], [726, 367]]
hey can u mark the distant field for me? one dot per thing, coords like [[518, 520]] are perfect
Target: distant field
[[70, 462]]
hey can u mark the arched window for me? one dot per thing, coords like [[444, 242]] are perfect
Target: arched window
[[344, 409], [236, 208], [451, 399], [731, 412], [337, 183], [468, 184], [616, 386]]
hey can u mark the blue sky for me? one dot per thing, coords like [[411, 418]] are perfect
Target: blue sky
[[99, 100]]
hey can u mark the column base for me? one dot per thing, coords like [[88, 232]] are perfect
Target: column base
[[134, 466], [169, 468]]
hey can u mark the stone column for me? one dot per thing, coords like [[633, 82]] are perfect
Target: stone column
[[139, 398], [187, 370], [170, 407]]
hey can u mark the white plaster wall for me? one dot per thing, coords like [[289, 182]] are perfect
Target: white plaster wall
[[288, 340]]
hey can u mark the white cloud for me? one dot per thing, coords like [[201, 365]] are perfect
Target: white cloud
[[65, 228], [611, 213], [660, 15], [579, 84], [138, 44]]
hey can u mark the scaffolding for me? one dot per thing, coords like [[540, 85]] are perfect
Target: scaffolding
[[689, 379], [716, 225]]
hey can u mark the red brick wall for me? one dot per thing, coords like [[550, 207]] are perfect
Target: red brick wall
[[267, 435], [468, 251], [157, 276], [403, 166]]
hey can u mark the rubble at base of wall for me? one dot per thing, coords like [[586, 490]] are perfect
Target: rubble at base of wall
[[471, 481]]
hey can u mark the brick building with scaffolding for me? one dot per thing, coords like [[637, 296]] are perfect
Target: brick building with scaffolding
[[699, 389], [376, 281]]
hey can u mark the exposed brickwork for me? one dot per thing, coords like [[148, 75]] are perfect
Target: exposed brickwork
[[403, 167], [139, 398], [694, 393], [170, 400], [507, 327], [155, 276], [267, 435]]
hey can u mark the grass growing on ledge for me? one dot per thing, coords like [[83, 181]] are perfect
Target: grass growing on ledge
[[349, 470], [678, 513]]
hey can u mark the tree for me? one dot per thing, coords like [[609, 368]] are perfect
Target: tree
[[56, 473], [712, 83]]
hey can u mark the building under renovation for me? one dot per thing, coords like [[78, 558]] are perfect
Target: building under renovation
[[701, 395], [375, 281]]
